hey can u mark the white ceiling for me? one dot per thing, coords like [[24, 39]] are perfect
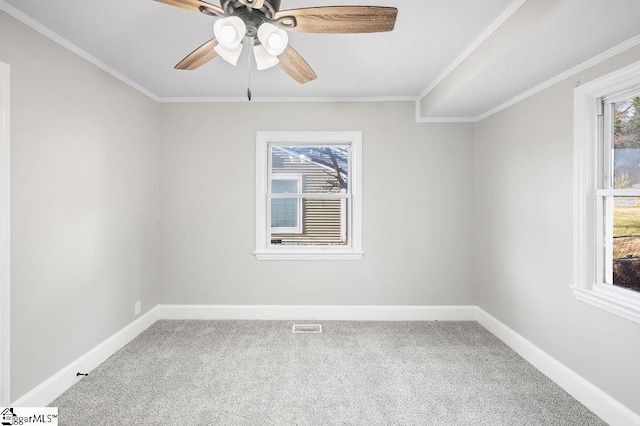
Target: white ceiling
[[144, 39]]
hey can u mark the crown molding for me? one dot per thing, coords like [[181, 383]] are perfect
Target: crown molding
[[607, 54], [513, 7], [289, 99], [446, 120], [506, 14], [12, 11]]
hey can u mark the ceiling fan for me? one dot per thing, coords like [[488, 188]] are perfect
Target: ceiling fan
[[265, 27]]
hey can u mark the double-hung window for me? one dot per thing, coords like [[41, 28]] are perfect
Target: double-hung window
[[286, 213], [607, 192], [618, 192], [308, 195]]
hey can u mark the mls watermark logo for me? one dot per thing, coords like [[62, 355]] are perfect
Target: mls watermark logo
[[29, 416], [7, 416]]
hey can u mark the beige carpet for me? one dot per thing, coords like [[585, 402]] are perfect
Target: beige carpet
[[354, 373]]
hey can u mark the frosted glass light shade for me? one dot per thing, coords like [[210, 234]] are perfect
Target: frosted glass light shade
[[229, 55], [263, 59], [229, 31], [273, 38]]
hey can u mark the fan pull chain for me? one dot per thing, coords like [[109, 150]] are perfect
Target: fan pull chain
[[249, 50]]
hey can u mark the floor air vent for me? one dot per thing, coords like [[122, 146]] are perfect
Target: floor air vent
[[307, 328]]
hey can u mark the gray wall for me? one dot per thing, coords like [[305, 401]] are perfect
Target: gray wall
[[84, 194], [85, 209], [418, 195], [524, 245]]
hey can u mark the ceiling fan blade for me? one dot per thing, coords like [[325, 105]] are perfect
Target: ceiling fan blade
[[194, 5], [294, 65], [253, 4], [338, 19], [199, 57]]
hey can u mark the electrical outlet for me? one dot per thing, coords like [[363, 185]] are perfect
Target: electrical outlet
[[136, 308]]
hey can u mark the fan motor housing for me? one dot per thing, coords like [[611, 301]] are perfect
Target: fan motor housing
[[252, 18], [269, 8]]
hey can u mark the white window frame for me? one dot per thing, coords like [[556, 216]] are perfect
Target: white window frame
[[5, 236], [588, 131], [298, 179], [267, 251]]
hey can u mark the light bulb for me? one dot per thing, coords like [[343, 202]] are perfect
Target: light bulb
[[229, 31], [272, 38], [275, 41], [227, 34]]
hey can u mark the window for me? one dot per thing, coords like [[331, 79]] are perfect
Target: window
[[286, 213], [618, 218], [607, 192], [308, 195]]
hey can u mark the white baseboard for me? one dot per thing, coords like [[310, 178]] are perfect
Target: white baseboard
[[55, 385], [592, 397], [318, 312], [610, 410]]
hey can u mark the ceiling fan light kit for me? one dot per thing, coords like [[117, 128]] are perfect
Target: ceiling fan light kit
[[263, 20], [229, 31], [272, 38], [229, 55], [264, 60]]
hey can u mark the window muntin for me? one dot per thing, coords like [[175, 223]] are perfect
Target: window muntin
[[329, 198]]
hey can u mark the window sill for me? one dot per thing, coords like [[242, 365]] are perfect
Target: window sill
[[619, 301], [308, 254]]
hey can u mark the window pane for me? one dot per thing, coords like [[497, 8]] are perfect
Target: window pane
[[626, 242], [323, 169], [279, 186], [626, 150], [324, 223], [284, 213]]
